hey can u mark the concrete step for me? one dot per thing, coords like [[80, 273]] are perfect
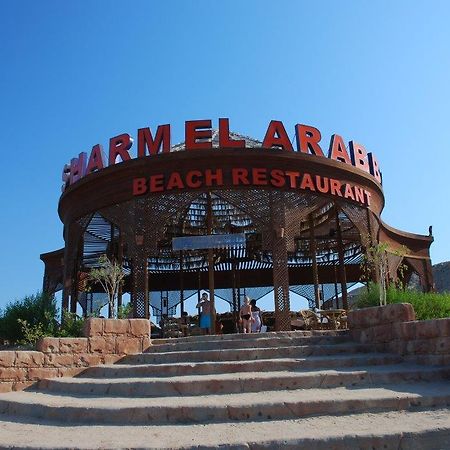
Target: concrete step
[[261, 365], [241, 354], [248, 406], [242, 382], [251, 336], [263, 341], [418, 430]]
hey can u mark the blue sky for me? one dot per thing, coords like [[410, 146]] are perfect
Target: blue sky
[[77, 73]]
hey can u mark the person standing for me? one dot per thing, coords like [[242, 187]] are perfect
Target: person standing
[[205, 314], [256, 317], [245, 315]]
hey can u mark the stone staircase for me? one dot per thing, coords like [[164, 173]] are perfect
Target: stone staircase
[[274, 390]]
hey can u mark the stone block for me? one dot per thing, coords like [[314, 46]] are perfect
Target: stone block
[[111, 359], [366, 336], [421, 347], [88, 359], [116, 326], [443, 345], [428, 360], [380, 315], [48, 345], [29, 359], [62, 360], [139, 327], [102, 345], [444, 327], [398, 312], [406, 330], [73, 345], [13, 373], [21, 385], [146, 343], [397, 346], [93, 327], [40, 373], [364, 318], [70, 371], [383, 333], [426, 329], [128, 346], [356, 334], [6, 386], [7, 358]]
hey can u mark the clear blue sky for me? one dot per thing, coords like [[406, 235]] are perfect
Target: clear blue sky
[[75, 73]]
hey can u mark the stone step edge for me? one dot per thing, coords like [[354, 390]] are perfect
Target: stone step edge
[[282, 406], [257, 343], [237, 336], [339, 345], [393, 369], [234, 383], [162, 370], [420, 429]]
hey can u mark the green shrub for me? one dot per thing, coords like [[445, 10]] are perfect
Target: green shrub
[[25, 321], [427, 305], [72, 325], [31, 333], [124, 311], [35, 310]]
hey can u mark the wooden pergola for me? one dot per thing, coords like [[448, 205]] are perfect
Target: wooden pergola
[[301, 241]]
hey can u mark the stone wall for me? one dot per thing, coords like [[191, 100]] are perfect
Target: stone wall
[[105, 342], [393, 328]]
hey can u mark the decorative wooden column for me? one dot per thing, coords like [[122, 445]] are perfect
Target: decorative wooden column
[[120, 262], [74, 285], [209, 220], [372, 241], [280, 263], [140, 248], [181, 284], [342, 273], [139, 275], [70, 252], [313, 250], [336, 292]]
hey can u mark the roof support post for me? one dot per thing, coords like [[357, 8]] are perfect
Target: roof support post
[[280, 263], [139, 294], [342, 273], [209, 217], [120, 262], [181, 285], [313, 251]]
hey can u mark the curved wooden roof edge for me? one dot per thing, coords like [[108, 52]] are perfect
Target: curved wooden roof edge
[[417, 244], [52, 256]]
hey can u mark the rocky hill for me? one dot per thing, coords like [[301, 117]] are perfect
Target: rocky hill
[[441, 275]]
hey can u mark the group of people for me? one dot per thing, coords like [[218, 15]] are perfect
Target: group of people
[[249, 315]]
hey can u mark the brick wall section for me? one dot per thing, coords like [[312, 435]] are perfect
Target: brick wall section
[[393, 328], [105, 342]]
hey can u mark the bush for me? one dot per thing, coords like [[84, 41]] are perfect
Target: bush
[[72, 325], [427, 305], [36, 310], [125, 311], [25, 321]]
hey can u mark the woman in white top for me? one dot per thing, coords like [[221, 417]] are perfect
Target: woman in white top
[[256, 318]]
